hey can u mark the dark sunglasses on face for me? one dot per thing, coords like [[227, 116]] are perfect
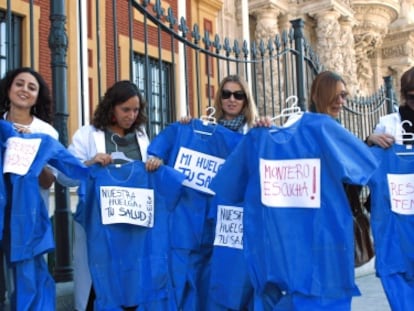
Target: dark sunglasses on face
[[239, 95]]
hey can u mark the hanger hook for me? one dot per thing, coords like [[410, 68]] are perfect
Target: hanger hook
[[212, 111], [405, 122], [114, 142], [294, 100]]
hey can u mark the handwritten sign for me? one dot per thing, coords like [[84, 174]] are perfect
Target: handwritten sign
[[401, 188], [133, 206], [290, 183], [20, 154], [229, 227], [198, 167]]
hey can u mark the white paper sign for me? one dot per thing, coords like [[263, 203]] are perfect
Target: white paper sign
[[290, 183], [20, 154], [133, 206], [401, 188], [198, 167], [229, 227]]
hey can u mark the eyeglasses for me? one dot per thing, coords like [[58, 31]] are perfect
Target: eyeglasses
[[342, 95], [409, 96], [239, 95]]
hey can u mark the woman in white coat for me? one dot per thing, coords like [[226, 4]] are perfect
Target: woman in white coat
[[118, 125], [388, 129]]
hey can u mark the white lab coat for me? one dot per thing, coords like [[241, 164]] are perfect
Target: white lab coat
[[86, 143], [390, 124]]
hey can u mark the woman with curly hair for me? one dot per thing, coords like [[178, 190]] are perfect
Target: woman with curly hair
[[25, 101], [118, 125]]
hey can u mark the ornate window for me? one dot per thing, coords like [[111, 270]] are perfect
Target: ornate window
[[10, 49], [156, 89]]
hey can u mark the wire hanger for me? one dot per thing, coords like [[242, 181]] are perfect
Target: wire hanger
[[289, 112], [118, 155], [406, 137], [207, 120]]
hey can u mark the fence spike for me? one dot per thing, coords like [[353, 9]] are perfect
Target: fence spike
[[171, 18], [183, 27], [262, 48], [226, 46], [196, 33], [158, 9], [236, 48], [217, 43]]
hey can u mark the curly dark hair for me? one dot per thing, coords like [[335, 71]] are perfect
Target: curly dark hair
[[117, 94], [43, 106]]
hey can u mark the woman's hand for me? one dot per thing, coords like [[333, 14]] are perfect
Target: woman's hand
[[263, 122], [382, 139], [102, 158], [152, 164], [46, 178], [185, 119]]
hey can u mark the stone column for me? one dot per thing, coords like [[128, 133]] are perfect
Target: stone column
[[373, 22], [266, 29], [349, 70], [328, 45]]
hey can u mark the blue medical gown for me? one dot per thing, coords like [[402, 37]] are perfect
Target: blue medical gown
[[297, 249], [28, 233], [129, 263], [393, 232]]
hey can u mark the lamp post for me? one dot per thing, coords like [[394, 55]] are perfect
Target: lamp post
[[58, 43]]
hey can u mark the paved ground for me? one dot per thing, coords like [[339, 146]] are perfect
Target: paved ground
[[372, 299]]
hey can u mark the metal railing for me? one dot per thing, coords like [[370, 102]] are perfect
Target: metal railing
[[275, 68]]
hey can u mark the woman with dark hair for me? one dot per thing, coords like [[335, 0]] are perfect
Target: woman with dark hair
[[41, 104], [388, 129], [25, 101], [391, 197], [118, 125]]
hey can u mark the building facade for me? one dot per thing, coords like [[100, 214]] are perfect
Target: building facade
[[364, 41]]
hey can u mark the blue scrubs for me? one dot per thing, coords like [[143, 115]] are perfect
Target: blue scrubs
[[192, 231], [298, 230], [393, 230]]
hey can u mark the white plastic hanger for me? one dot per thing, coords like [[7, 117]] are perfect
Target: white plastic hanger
[[207, 120], [406, 137], [118, 155], [290, 113]]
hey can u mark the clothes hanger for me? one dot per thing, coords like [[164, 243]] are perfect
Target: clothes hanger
[[207, 120], [291, 113], [406, 137], [118, 155]]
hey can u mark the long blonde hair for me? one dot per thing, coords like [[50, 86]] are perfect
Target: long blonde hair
[[249, 108]]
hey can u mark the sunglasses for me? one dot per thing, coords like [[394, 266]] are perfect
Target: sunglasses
[[239, 95], [409, 96], [342, 95]]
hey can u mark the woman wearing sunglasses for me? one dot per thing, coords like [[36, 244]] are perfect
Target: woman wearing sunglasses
[[235, 107]]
